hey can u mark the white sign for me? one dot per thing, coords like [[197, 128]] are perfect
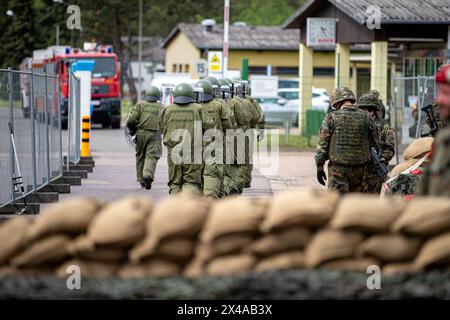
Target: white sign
[[214, 62], [320, 32], [201, 67], [264, 86]]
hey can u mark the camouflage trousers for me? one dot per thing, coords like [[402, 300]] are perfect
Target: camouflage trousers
[[374, 184], [345, 179], [184, 177]]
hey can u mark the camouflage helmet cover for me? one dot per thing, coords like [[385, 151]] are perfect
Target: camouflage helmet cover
[[369, 100], [342, 94]]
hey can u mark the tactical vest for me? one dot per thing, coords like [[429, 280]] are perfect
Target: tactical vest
[[181, 117], [148, 118], [349, 145]]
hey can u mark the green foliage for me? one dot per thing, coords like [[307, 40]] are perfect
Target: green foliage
[[33, 25]]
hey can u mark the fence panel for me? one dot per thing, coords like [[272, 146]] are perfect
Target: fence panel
[[74, 119], [30, 110]]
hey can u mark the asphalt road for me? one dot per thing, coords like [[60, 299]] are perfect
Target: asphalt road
[[114, 174]]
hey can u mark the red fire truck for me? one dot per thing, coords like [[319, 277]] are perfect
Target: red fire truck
[[105, 86]]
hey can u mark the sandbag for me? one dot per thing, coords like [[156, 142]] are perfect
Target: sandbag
[[13, 237], [229, 265], [111, 255], [194, 269], [350, 264], [288, 239], [232, 243], [367, 213], [435, 252], [176, 249], [303, 208], [120, 223], [233, 215], [153, 267], [399, 267], [330, 244], [68, 217], [427, 216], [390, 248], [88, 268], [180, 216], [285, 260], [46, 251], [418, 148], [402, 167]]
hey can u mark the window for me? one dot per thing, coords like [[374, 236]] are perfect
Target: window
[[174, 68], [323, 71], [186, 68], [180, 68], [289, 95]]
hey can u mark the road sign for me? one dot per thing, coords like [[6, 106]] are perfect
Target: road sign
[[202, 68], [214, 62], [264, 86]]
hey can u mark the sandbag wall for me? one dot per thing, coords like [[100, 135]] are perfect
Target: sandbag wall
[[195, 237]]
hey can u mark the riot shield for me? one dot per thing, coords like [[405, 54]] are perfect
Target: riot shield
[[167, 90], [130, 139]]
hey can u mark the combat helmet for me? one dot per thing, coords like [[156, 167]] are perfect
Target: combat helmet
[[369, 101], [225, 89], [183, 94], [380, 103], [152, 94], [342, 94], [215, 84], [208, 91]]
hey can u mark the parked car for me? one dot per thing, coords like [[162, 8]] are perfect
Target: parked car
[[277, 110], [320, 98]]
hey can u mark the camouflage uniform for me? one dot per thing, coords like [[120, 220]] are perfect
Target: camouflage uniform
[[435, 180], [344, 139], [385, 139]]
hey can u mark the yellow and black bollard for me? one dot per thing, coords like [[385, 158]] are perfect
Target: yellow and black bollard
[[85, 136]]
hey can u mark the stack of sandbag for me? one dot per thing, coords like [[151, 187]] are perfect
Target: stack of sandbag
[[412, 154], [171, 235], [104, 246], [39, 246], [359, 235], [232, 224], [286, 230]]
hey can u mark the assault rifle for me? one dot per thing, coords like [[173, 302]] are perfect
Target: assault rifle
[[382, 169]]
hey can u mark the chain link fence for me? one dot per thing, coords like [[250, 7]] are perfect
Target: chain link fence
[[409, 96], [30, 131]]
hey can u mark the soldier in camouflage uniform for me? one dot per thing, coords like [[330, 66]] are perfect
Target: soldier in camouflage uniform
[[345, 139], [440, 121], [435, 180], [384, 138], [144, 123], [213, 169]]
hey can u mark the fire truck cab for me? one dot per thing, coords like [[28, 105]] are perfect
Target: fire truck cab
[[105, 85]]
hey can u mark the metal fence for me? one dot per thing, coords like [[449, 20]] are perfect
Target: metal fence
[[74, 120], [409, 96], [30, 117]]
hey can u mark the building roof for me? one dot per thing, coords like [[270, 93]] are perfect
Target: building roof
[[392, 12], [240, 37]]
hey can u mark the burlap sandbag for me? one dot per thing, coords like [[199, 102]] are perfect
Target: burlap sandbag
[[229, 265], [88, 268], [153, 267], [180, 216], [46, 251], [418, 148], [330, 244], [68, 217], [367, 213], [120, 223], [176, 249], [390, 247], [13, 237], [351, 264], [284, 240], [426, 216], [435, 252], [304, 208], [399, 267], [233, 215], [402, 167], [194, 269], [285, 260]]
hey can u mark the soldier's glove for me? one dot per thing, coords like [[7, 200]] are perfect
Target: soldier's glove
[[321, 176], [260, 134]]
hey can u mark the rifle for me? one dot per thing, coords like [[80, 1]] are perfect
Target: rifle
[[430, 113], [382, 169]]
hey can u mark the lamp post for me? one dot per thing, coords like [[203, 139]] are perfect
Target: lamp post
[[57, 24]]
